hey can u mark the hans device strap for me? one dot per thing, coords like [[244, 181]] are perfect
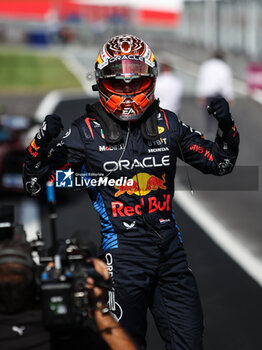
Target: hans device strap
[[112, 127], [109, 124], [149, 122]]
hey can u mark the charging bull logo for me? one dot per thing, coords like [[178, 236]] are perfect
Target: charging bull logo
[[142, 184]]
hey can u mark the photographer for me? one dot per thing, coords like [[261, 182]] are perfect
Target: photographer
[[20, 314]]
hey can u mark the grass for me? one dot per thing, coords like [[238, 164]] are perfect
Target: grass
[[33, 73]]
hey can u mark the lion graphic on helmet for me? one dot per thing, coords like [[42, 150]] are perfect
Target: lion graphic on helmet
[[124, 44]]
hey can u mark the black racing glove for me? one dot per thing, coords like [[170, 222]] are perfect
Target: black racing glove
[[49, 130], [219, 107]]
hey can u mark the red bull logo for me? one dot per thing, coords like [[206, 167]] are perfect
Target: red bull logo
[[153, 204], [33, 144], [142, 184], [33, 149]]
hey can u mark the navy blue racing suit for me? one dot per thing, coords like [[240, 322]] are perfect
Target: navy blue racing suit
[[141, 242]]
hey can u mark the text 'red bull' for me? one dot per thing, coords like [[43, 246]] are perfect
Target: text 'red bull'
[[154, 204]]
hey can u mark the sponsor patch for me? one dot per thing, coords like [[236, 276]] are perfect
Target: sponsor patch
[[129, 226], [164, 221], [141, 185], [146, 162], [33, 144], [152, 203], [160, 129], [201, 150]]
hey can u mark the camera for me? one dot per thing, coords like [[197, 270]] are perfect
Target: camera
[[62, 284], [61, 280], [60, 276]]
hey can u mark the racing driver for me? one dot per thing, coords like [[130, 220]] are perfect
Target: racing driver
[[128, 135]]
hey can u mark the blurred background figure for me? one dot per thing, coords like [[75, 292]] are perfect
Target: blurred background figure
[[169, 88], [214, 78], [20, 313]]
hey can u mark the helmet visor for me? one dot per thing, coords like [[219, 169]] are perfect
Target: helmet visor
[[121, 86], [127, 69]]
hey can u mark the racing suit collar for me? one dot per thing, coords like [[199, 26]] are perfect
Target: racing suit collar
[[112, 127]]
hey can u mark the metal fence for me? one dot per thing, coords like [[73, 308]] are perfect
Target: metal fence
[[234, 25]]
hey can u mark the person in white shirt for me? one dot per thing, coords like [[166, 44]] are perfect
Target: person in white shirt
[[169, 88], [214, 79]]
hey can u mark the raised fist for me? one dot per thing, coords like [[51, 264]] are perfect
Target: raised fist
[[219, 107], [49, 130]]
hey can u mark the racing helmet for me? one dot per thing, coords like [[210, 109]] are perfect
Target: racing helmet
[[126, 72]]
